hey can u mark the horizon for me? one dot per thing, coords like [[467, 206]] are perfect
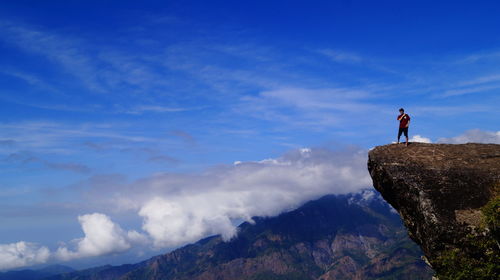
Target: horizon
[[164, 122]]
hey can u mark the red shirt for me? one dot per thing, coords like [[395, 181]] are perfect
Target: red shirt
[[403, 120]]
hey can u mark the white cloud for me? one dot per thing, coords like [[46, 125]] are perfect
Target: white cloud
[[102, 237], [186, 219], [367, 195], [182, 208], [474, 136], [21, 254], [421, 139]]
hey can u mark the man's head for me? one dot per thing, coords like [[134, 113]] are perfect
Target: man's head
[[401, 110]]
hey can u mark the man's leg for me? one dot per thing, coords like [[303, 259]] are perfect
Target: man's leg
[[406, 135], [400, 131]]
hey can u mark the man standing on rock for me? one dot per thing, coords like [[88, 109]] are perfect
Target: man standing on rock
[[404, 123]]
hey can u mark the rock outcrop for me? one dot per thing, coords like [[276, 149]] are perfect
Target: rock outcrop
[[448, 198]]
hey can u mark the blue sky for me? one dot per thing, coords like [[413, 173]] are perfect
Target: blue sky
[[102, 100]]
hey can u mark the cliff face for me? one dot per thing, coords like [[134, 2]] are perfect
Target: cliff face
[[444, 194]]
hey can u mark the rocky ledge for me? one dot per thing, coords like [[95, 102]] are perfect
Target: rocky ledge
[[448, 198]]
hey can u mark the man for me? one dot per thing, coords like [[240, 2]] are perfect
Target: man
[[404, 123]]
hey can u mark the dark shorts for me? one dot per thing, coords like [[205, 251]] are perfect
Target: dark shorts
[[403, 130]]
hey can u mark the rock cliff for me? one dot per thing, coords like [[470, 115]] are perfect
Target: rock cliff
[[448, 198]]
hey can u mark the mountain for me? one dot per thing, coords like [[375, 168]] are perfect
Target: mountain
[[334, 237], [32, 274], [449, 199]]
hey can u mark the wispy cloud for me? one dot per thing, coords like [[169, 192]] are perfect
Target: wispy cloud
[[152, 155], [7, 142], [100, 69], [481, 80], [450, 110], [159, 109], [479, 85], [96, 146], [68, 166], [185, 136], [46, 136], [474, 58], [314, 99], [468, 90], [31, 79], [26, 158], [309, 107], [341, 56], [67, 52], [48, 105], [164, 158]]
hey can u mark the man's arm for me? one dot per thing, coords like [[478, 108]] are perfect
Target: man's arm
[[400, 117]]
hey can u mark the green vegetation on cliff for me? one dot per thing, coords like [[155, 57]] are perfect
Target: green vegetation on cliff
[[480, 259]]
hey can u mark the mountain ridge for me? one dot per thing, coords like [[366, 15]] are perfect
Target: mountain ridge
[[334, 237], [35, 274]]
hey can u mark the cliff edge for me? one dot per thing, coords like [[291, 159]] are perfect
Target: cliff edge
[[448, 198]]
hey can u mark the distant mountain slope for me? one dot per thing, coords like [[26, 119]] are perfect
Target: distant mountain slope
[[335, 237], [32, 274]]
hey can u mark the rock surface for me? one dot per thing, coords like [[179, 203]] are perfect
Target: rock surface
[[440, 190]]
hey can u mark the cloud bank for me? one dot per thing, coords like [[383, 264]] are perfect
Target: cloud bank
[[21, 254], [102, 237], [474, 136], [470, 136], [179, 208]]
